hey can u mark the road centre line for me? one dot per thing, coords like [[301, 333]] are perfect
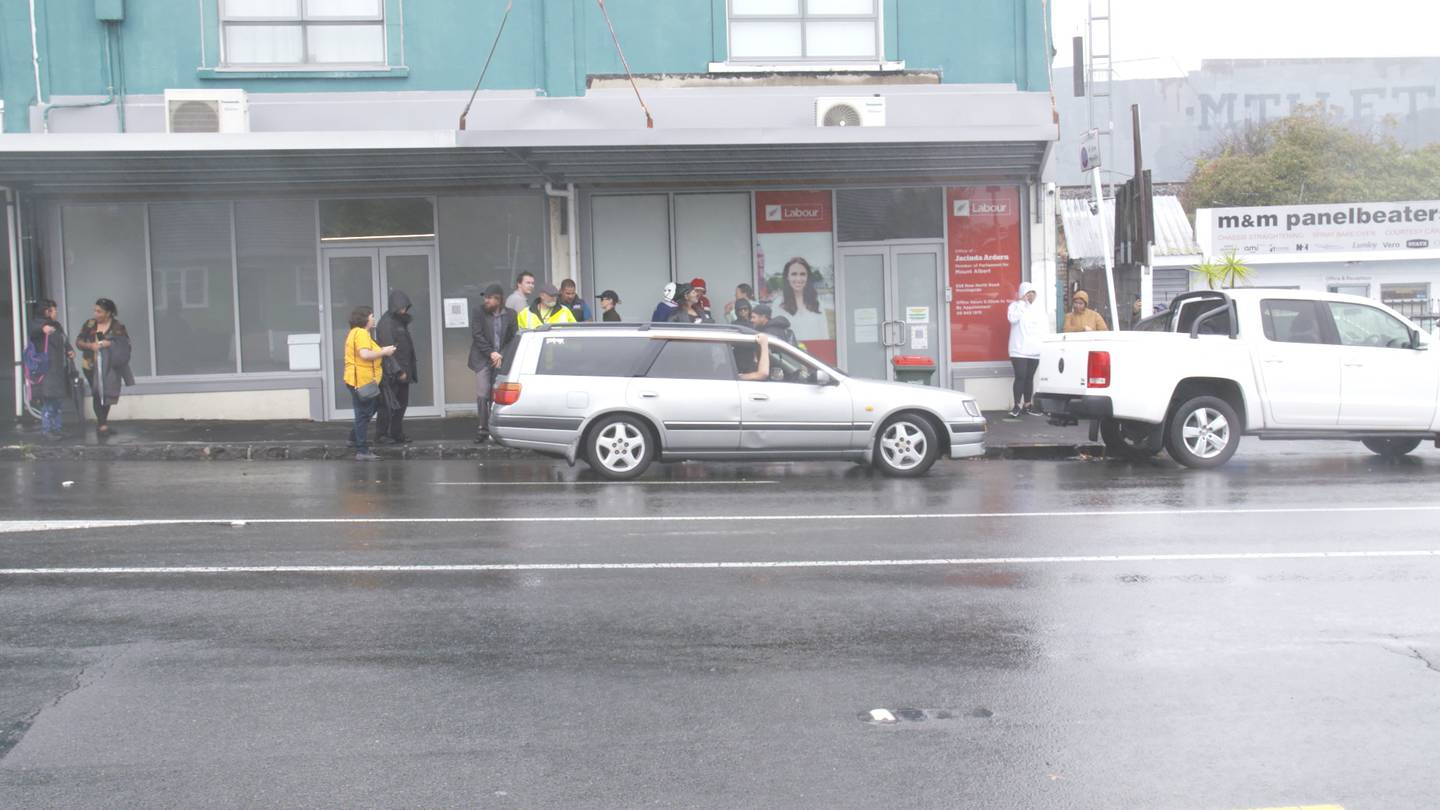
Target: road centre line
[[711, 566], [598, 483], [14, 526]]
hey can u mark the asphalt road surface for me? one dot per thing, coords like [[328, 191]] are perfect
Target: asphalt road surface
[[517, 634]]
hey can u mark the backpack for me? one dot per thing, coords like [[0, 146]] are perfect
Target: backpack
[[37, 361]]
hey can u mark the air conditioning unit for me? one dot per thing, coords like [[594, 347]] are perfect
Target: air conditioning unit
[[206, 111], [860, 111]]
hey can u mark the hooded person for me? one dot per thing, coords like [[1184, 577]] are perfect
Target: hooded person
[[398, 371], [1028, 326], [761, 320], [1081, 318], [667, 306]]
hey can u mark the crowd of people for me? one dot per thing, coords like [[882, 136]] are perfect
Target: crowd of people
[[52, 377]]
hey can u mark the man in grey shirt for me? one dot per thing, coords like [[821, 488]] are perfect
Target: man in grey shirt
[[524, 288]]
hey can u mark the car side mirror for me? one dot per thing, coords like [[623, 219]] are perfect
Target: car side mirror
[[1416, 343], [823, 378]]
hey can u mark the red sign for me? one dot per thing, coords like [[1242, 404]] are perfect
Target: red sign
[[792, 212], [983, 224]]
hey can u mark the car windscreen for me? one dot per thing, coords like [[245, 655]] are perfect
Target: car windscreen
[[586, 356]]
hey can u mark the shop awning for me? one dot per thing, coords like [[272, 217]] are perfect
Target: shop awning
[[206, 164]]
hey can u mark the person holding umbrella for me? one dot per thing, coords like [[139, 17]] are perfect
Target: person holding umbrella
[[50, 383], [105, 356]]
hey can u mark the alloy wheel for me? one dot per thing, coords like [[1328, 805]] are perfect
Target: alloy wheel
[[904, 446], [1206, 432]]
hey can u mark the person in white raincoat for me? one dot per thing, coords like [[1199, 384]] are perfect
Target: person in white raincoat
[[1028, 326]]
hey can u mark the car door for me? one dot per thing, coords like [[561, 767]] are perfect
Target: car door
[[1299, 365], [793, 411], [1385, 382], [691, 388]]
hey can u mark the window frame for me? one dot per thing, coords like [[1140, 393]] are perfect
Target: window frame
[[800, 19], [302, 21]]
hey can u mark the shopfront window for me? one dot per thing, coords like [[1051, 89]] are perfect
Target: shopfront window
[[387, 218], [712, 241], [276, 279], [105, 258], [804, 30], [192, 278], [631, 249]]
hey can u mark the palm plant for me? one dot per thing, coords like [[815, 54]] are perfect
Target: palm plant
[[1227, 272]]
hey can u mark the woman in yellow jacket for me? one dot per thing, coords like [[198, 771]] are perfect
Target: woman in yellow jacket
[[1081, 318], [546, 309], [362, 367]]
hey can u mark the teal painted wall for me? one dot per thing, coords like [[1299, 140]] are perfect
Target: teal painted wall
[[549, 46]]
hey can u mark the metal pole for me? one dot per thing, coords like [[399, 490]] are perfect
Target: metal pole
[[1143, 214], [1105, 246], [17, 299]]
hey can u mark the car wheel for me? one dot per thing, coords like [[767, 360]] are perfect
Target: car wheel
[[1203, 432], [906, 447], [620, 447], [1391, 448], [1127, 439]]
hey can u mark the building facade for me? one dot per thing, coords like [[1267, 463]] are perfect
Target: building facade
[[239, 174]]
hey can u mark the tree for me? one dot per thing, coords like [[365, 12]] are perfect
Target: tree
[[1228, 272], [1308, 158]]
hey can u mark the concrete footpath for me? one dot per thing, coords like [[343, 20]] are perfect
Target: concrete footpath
[[1029, 437]]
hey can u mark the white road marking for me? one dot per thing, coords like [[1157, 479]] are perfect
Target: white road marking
[[599, 483], [12, 526], [721, 565]]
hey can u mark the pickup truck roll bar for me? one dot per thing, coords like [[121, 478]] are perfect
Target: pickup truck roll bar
[[1229, 309]]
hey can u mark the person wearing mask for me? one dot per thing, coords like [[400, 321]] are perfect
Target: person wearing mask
[[1081, 318], [667, 305], [690, 310], [524, 288], [608, 301], [363, 357], [743, 292], [51, 386], [1027, 328], [105, 347], [571, 300], [546, 309], [492, 328], [401, 370]]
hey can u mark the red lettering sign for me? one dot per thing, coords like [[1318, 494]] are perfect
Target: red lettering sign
[[983, 224], [792, 212]]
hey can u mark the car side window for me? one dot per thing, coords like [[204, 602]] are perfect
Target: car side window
[[1360, 325], [1291, 321], [571, 356], [786, 367], [1190, 311], [693, 360]]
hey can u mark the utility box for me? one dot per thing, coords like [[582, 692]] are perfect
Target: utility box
[[110, 10]]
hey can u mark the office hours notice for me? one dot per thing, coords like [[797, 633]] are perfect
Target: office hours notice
[[983, 226]]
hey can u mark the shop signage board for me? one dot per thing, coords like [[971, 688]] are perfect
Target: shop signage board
[[795, 250], [1397, 227], [983, 227]]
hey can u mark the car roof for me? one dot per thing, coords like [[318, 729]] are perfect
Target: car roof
[[714, 331]]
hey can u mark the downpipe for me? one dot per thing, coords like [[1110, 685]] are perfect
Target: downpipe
[[573, 225]]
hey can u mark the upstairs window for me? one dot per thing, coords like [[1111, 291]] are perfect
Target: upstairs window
[[822, 31], [304, 33]]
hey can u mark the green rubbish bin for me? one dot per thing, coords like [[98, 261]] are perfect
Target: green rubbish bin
[[913, 368]]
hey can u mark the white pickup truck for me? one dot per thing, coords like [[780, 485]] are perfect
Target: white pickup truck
[[1277, 364]]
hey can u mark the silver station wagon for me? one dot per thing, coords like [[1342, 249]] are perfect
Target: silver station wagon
[[620, 396]]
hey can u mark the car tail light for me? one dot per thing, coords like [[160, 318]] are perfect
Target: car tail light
[[1097, 370], [507, 393]]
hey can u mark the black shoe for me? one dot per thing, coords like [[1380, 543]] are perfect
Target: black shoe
[[1016, 412], [401, 440], [481, 438], [382, 439]]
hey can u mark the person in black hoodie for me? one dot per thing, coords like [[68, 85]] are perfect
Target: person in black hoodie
[[47, 335], [492, 332], [399, 370]]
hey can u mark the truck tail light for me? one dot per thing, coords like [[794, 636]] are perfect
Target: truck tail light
[[507, 393], [1097, 370]]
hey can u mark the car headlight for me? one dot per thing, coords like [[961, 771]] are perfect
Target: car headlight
[[972, 408]]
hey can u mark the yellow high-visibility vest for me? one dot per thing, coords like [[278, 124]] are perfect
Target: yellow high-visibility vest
[[528, 319]]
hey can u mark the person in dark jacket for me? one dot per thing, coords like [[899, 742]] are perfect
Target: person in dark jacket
[[492, 335], [571, 300], [761, 321], [399, 370], [47, 335], [667, 305], [105, 346], [608, 301], [691, 310]]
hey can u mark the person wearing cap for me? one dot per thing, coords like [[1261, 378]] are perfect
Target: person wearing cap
[[690, 310], [492, 330], [545, 309], [762, 322], [1081, 318], [570, 299], [608, 301], [1027, 328], [698, 283]]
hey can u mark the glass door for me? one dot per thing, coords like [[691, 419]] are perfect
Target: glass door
[[891, 303], [364, 277]]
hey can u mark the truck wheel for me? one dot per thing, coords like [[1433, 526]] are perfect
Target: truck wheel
[[906, 447], [620, 448], [1203, 432], [1127, 439], [1391, 448]]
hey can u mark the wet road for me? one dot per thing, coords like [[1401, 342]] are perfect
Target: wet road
[[1047, 634]]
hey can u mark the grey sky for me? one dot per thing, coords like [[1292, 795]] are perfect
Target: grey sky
[[1166, 37]]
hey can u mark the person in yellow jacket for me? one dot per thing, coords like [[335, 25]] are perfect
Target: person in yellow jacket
[[546, 309], [362, 367], [1081, 318]]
